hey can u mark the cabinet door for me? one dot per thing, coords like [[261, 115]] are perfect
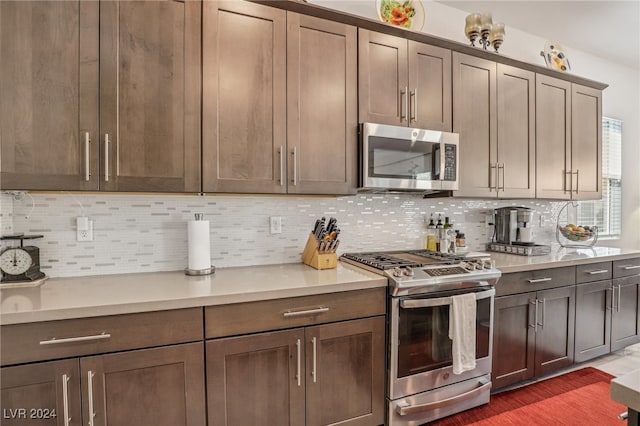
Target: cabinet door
[[625, 322], [429, 87], [593, 320], [345, 373], [586, 142], [153, 387], [475, 119], [516, 133], [244, 98], [322, 106], [513, 339], [383, 78], [553, 138], [256, 379], [150, 96], [43, 394], [556, 329], [49, 86]]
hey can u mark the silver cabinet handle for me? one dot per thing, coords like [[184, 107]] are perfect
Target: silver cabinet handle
[[54, 341], [570, 186], [500, 187], [535, 313], [305, 312], [405, 103], [577, 173], [92, 413], [295, 166], [598, 272], [106, 157], [281, 152], [87, 155], [65, 399], [413, 112], [628, 268], [298, 378], [544, 303], [314, 372], [619, 297], [538, 280], [492, 167], [406, 409], [611, 289]]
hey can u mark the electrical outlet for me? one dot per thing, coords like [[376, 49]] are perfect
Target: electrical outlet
[[84, 229], [275, 224]]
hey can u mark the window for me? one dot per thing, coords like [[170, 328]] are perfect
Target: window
[[607, 212]]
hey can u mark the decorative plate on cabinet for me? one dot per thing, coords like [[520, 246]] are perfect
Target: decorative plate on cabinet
[[401, 13], [555, 57]]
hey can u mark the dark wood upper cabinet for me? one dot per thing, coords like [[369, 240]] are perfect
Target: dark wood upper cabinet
[[147, 96], [280, 101], [568, 140], [494, 113], [49, 90], [150, 96], [403, 82], [322, 106]]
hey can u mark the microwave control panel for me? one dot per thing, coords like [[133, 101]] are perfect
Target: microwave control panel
[[450, 156]]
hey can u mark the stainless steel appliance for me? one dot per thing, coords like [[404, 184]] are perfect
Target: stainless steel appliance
[[421, 385], [513, 233], [394, 158]]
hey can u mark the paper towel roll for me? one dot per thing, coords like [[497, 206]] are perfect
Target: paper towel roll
[[198, 245]]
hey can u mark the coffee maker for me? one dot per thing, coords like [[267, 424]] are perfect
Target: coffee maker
[[513, 225], [513, 232]]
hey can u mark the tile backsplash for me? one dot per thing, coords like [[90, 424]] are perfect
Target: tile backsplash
[[143, 233]]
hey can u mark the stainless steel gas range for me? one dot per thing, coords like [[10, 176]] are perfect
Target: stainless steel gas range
[[421, 385]]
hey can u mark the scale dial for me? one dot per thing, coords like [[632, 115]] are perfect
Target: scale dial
[[15, 261]]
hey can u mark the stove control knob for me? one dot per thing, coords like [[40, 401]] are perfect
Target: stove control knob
[[397, 272], [408, 271]]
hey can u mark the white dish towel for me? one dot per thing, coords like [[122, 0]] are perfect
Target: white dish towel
[[462, 332]]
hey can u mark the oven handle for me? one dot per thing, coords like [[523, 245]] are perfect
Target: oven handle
[[440, 301], [407, 409]]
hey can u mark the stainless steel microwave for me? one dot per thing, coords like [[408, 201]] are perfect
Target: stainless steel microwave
[[394, 158]]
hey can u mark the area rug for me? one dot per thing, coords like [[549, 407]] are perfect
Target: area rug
[[577, 398]]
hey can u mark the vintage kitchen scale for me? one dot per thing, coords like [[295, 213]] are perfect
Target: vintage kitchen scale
[[20, 266]]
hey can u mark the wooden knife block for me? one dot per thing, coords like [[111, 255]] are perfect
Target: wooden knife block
[[311, 256]]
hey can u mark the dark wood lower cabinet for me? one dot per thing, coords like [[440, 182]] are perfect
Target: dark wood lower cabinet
[[533, 334], [625, 317], [44, 393], [593, 320], [332, 373], [153, 387]]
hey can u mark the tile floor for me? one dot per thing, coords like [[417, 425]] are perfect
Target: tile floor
[[617, 363]]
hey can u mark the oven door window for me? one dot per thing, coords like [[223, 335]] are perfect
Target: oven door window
[[403, 159], [423, 337]]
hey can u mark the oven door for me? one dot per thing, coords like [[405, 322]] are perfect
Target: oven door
[[420, 348], [403, 158]]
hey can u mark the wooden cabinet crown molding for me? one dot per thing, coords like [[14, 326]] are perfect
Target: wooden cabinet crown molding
[[373, 25]]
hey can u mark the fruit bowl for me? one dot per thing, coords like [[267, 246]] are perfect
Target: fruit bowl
[[577, 233]]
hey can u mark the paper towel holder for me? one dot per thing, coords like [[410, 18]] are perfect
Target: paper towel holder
[[204, 271]]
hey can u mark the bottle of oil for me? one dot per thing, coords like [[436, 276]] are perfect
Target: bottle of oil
[[431, 241]]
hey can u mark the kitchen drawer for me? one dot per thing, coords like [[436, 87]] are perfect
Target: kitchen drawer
[[625, 268], [593, 272], [252, 317], [541, 279], [46, 340]]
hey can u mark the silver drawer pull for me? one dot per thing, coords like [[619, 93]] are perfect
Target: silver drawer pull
[[404, 408], [307, 312], [65, 399], [539, 280], [626, 268], [55, 341], [602, 271], [92, 413]]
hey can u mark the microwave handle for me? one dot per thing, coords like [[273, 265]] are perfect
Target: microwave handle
[[440, 301]]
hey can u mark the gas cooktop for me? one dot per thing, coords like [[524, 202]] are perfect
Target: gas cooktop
[[415, 271]]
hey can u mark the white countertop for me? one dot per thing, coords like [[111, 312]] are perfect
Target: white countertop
[[78, 297], [626, 390], [560, 256]]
